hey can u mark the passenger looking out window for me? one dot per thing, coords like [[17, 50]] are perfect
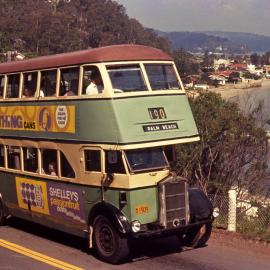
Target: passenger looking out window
[[49, 162], [93, 83], [69, 81], [29, 84]]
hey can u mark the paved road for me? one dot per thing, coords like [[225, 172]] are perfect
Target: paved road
[[148, 254]]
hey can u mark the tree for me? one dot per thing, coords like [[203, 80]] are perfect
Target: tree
[[232, 150], [185, 62], [43, 27]]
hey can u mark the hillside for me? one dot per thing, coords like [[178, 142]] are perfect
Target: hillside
[[230, 42], [41, 27], [255, 43]]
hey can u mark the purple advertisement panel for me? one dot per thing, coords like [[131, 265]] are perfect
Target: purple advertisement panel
[[66, 202]]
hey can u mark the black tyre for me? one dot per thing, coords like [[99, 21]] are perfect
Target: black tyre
[[197, 236], [2, 214], [109, 244]]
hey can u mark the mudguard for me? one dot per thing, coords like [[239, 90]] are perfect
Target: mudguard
[[200, 206], [113, 214]]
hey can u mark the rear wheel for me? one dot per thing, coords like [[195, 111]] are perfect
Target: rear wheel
[[197, 236], [109, 244], [2, 214]]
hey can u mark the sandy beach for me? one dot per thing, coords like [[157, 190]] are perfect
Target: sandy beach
[[233, 92]]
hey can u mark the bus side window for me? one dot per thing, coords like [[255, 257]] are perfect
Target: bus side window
[[92, 160], [13, 86], [30, 159], [49, 162], [2, 156], [66, 169], [48, 83], [114, 162], [92, 81], [69, 81], [2, 85], [29, 84], [14, 157]]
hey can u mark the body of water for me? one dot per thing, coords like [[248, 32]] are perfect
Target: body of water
[[252, 100]]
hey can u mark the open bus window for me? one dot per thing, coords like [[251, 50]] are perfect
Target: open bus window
[[114, 162], [48, 83], [49, 162], [92, 160], [14, 157], [162, 77], [92, 81], [146, 159], [30, 159], [29, 84], [127, 78], [2, 85], [69, 81], [2, 155], [66, 169], [13, 86]]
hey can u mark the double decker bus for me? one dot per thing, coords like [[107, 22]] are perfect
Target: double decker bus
[[86, 140]]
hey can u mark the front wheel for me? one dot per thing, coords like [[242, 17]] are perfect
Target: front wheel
[[109, 244], [197, 236]]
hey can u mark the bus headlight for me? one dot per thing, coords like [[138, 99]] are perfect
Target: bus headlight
[[135, 226], [216, 212]]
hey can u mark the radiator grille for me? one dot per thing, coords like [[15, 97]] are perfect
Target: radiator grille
[[173, 209]]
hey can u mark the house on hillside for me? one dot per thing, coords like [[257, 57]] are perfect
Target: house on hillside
[[221, 63]]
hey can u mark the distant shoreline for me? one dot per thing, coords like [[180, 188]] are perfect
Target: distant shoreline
[[230, 92]]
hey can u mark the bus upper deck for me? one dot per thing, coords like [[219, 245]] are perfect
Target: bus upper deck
[[50, 95]]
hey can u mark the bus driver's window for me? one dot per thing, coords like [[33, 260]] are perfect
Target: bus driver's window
[[114, 162]]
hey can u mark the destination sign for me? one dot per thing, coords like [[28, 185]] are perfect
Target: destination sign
[[160, 127]]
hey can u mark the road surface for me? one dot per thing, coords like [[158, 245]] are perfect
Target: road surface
[[28, 246]]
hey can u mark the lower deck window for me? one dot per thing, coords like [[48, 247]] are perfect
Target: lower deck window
[[92, 160], [49, 162], [14, 157], [2, 156], [30, 159]]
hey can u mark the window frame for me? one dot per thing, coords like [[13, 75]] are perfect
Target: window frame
[[102, 159]]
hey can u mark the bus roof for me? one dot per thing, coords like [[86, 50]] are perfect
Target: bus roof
[[113, 53]]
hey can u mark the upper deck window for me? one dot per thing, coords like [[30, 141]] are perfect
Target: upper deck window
[[48, 83], [146, 159], [127, 78], [92, 81], [2, 85], [162, 77], [13, 86], [29, 84], [69, 81]]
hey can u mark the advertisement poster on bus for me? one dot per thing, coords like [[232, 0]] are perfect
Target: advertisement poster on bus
[[38, 118], [58, 200]]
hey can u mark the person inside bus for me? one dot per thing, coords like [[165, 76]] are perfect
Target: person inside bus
[[72, 89], [52, 168], [96, 85], [27, 93]]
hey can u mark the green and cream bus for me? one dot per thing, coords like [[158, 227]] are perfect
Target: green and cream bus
[[96, 164]]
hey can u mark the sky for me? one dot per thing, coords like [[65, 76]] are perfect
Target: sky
[[252, 16]]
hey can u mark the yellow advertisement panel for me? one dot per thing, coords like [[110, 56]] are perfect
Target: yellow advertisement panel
[[32, 195], [38, 118]]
